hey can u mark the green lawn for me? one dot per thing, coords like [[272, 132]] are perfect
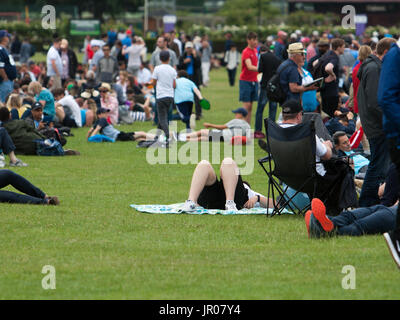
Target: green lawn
[[103, 249]]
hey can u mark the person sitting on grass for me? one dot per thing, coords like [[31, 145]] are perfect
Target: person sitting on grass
[[7, 146], [377, 219], [102, 127], [229, 193], [31, 194], [222, 132], [28, 140]]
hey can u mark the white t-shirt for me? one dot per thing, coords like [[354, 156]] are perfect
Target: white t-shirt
[[70, 103], [134, 55], [320, 150], [144, 76], [53, 54], [165, 76]]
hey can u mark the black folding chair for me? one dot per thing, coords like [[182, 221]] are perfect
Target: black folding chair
[[291, 160]]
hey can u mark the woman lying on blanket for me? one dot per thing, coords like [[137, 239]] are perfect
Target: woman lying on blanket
[[228, 193]]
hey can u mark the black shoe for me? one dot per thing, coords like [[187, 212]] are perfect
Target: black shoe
[[263, 145], [393, 243]]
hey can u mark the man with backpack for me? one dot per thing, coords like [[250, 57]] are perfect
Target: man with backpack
[[288, 73], [327, 67]]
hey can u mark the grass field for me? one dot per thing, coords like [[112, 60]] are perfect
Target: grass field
[[103, 249]]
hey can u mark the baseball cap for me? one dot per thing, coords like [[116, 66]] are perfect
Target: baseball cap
[[102, 110], [188, 45], [291, 106], [37, 105], [242, 111], [4, 33]]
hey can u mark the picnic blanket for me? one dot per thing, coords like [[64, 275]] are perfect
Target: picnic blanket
[[176, 208]]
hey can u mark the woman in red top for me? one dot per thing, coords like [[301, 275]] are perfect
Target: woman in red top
[[363, 53]]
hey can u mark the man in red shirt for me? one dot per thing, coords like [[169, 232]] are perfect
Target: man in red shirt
[[248, 83]]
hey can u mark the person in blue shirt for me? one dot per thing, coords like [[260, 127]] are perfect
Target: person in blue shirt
[[8, 71], [389, 101], [185, 92]]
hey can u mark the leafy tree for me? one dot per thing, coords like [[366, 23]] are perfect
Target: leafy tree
[[249, 12]]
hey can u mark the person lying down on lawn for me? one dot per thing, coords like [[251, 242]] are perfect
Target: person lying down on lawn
[[229, 193]]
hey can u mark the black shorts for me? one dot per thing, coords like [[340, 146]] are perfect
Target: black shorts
[[213, 197], [126, 136]]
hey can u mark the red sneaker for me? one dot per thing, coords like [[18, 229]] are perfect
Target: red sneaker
[[307, 221], [319, 211], [259, 135]]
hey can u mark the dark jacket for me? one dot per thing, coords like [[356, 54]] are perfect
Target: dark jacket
[[334, 125], [367, 96], [268, 64], [23, 135], [389, 92], [196, 76]]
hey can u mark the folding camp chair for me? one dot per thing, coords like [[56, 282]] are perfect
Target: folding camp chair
[[291, 160]]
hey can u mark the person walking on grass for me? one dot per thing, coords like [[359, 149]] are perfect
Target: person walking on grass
[[164, 79], [248, 83]]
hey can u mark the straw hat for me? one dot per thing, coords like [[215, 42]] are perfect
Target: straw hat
[[296, 47]]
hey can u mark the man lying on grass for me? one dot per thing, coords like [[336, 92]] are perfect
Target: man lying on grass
[[221, 132], [102, 126]]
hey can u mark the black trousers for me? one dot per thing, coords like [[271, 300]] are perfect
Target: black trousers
[[6, 143], [329, 104], [163, 107], [31, 194], [395, 157]]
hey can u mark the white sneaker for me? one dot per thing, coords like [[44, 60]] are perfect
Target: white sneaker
[[230, 205], [192, 122], [18, 163], [2, 161], [189, 206], [181, 137]]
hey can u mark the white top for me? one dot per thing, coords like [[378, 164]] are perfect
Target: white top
[[144, 76], [165, 76], [70, 103], [53, 54], [134, 55], [320, 150]]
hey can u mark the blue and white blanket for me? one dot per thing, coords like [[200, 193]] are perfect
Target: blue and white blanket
[[177, 209]]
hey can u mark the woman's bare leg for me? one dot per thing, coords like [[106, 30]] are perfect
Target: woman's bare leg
[[203, 175], [229, 172]]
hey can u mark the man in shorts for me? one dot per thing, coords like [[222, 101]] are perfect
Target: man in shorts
[[221, 132], [248, 83]]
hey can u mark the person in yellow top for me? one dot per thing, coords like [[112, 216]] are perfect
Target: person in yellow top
[[14, 104]]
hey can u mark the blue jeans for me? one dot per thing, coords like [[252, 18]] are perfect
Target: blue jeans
[[31, 194], [361, 221], [376, 173], [262, 101], [6, 87]]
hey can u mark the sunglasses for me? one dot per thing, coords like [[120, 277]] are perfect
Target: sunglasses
[[103, 91]]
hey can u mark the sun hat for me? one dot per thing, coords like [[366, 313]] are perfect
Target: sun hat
[[296, 47]]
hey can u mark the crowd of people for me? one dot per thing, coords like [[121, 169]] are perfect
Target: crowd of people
[[352, 83]]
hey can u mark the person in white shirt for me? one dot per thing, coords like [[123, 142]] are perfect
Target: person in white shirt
[[229, 193], [134, 53], [144, 74], [232, 60], [164, 79], [54, 63], [70, 106]]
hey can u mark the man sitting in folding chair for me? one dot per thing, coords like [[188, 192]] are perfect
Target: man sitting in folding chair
[[300, 149]]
